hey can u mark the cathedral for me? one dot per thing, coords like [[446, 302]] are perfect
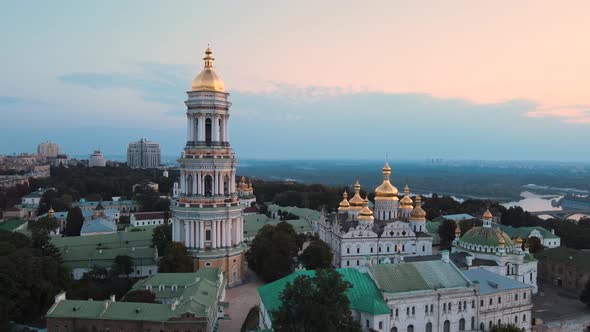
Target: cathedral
[[207, 216], [360, 237]]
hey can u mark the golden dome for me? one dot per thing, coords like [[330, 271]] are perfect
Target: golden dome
[[457, 230], [208, 80], [487, 214], [418, 214], [519, 240], [366, 214], [501, 241], [386, 191], [356, 202], [51, 212], [344, 205], [406, 201]]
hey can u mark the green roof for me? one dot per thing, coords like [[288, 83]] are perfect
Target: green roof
[[141, 238], [568, 256], [304, 213], [198, 298], [181, 280], [432, 226], [363, 295], [486, 236], [11, 225], [254, 222], [417, 276], [525, 232]]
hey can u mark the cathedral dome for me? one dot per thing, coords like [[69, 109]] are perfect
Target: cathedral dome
[[366, 214], [386, 191], [485, 237], [208, 80], [344, 205], [406, 201], [356, 202], [418, 214]]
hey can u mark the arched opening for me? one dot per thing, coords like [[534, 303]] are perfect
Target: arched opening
[[410, 328], [429, 327], [472, 323], [189, 185], [208, 130], [482, 326], [226, 185], [208, 185], [447, 326], [394, 329], [462, 324]]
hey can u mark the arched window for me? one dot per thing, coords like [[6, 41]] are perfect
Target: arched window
[[461, 324], [208, 185], [472, 323], [410, 328], [482, 326], [226, 184], [429, 327], [394, 329], [447, 326], [208, 130]]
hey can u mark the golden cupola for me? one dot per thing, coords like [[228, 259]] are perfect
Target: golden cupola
[[208, 80], [51, 212], [344, 205], [487, 214], [406, 201], [356, 202], [386, 191], [418, 214], [366, 214]]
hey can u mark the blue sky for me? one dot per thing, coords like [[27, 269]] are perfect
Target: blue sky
[[339, 81]]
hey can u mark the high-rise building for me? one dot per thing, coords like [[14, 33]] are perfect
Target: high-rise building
[[143, 154], [97, 159], [48, 149], [207, 216]]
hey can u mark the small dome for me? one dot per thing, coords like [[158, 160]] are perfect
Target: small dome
[[406, 201], [208, 80], [344, 205], [366, 214], [484, 236], [356, 202], [487, 214], [418, 214]]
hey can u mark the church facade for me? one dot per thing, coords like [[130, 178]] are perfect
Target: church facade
[[207, 217], [360, 237]]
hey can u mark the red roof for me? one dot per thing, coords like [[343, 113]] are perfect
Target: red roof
[[251, 209]]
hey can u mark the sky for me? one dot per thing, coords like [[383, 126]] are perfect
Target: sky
[[308, 80]]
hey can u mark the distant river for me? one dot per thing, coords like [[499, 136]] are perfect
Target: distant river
[[534, 203]]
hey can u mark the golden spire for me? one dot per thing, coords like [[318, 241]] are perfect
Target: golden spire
[[356, 202], [366, 214], [208, 80], [418, 214], [386, 191], [487, 214], [51, 213], [457, 231], [344, 205], [406, 201]]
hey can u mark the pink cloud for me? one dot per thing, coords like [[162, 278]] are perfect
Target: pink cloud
[[577, 114]]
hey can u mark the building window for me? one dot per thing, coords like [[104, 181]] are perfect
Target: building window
[[444, 307], [358, 250], [491, 301], [499, 299], [407, 311], [357, 262], [208, 235], [449, 306], [481, 303], [379, 249], [472, 304], [368, 323], [447, 326], [347, 263], [464, 305], [429, 327], [426, 308], [459, 305], [413, 311], [515, 319], [396, 312], [472, 322], [515, 297], [524, 296], [461, 324], [348, 250], [524, 318], [394, 329], [380, 325], [410, 328], [371, 249]]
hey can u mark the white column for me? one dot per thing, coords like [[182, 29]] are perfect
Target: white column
[[198, 179], [188, 128], [201, 128], [218, 225], [213, 235], [227, 128], [182, 183], [194, 174], [239, 231], [202, 234], [186, 232], [220, 183], [228, 232], [215, 129]]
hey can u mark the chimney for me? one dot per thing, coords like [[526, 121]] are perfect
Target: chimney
[[445, 256], [113, 298], [60, 297], [469, 260]]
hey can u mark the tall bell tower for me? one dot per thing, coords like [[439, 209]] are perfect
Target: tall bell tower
[[206, 217]]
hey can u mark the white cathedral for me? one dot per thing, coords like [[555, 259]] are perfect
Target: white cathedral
[[360, 237]]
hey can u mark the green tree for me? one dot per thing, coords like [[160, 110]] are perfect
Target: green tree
[[162, 237], [315, 304], [506, 328], [140, 295], [585, 295], [74, 222], [317, 255], [535, 244], [446, 231], [273, 251], [122, 264], [176, 259]]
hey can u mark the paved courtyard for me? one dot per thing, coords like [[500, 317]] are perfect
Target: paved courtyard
[[240, 299], [554, 303]]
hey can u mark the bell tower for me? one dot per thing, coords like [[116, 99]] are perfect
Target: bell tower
[[207, 217]]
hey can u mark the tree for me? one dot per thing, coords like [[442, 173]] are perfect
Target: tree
[[140, 295], [162, 237], [535, 244], [176, 259], [506, 328], [273, 251], [315, 304], [446, 231], [317, 255], [585, 295], [122, 264], [74, 222]]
